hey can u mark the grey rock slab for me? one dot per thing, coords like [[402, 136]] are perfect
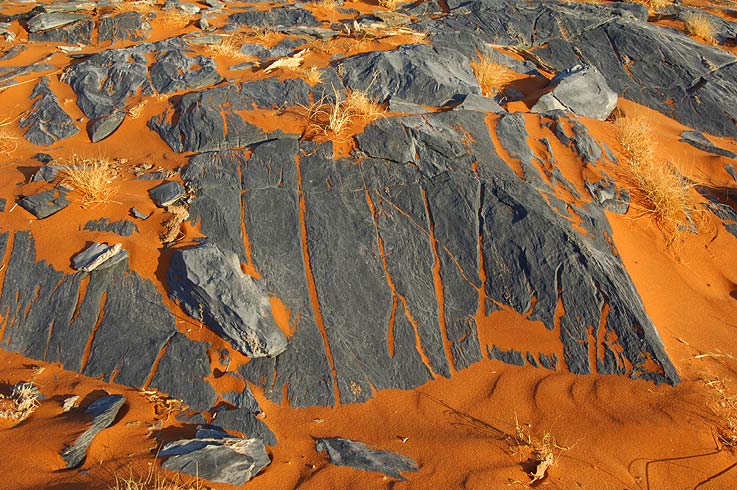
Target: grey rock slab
[[46, 21], [121, 227], [345, 452], [475, 102], [275, 17], [104, 126], [46, 122], [126, 26], [167, 193], [181, 372], [698, 140], [417, 73], [582, 90], [139, 215], [47, 173], [244, 420], [103, 410], [98, 255], [217, 459], [46, 203], [76, 32], [210, 286]]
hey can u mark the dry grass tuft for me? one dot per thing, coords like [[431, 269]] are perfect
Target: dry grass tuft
[[8, 137], [153, 480], [700, 25], [540, 453], [140, 6], [662, 190], [264, 35], [21, 403], [492, 76], [175, 17], [229, 47], [723, 408], [312, 75], [172, 224], [136, 111], [94, 178], [325, 4], [391, 4], [654, 5], [333, 119]]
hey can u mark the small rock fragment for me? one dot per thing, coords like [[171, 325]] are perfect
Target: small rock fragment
[[98, 256], [103, 411], [345, 452], [167, 193], [70, 403], [46, 203]]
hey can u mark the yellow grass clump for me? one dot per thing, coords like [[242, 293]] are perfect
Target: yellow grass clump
[[540, 453], [175, 17], [140, 6], [333, 119], [153, 480], [94, 178], [136, 111], [229, 47], [700, 25], [325, 4], [21, 403], [492, 76], [655, 5], [8, 137], [662, 190], [723, 410], [391, 4]]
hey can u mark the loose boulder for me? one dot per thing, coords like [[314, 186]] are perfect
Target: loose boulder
[[216, 456], [581, 90], [211, 287]]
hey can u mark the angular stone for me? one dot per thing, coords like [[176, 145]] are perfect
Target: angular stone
[[46, 203], [582, 90], [126, 26], [104, 126], [103, 410], [216, 456], [75, 32], [98, 256], [345, 452], [474, 102], [167, 193], [211, 287]]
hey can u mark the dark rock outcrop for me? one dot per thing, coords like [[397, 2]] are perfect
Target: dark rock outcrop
[[46, 122], [121, 227]]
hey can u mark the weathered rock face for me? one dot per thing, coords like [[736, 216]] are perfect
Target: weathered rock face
[[430, 203], [211, 287], [344, 452], [46, 122], [104, 82], [581, 90], [416, 73], [651, 65]]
